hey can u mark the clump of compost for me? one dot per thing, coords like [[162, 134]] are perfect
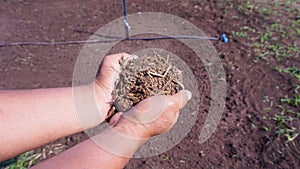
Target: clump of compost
[[144, 77]]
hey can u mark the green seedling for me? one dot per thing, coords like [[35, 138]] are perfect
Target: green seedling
[[24, 161], [294, 71], [266, 128], [234, 17], [240, 34], [295, 101], [249, 5]]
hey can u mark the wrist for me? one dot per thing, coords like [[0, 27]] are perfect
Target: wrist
[[90, 111], [120, 140]]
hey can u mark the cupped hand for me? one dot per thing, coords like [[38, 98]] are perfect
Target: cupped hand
[[152, 116]]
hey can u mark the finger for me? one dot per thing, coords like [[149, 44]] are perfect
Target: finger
[[127, 58], [115, 119], [110, 66], [151, 108], [115, 58], [179, 100], [109, 69], [148, 109], [111, 62]]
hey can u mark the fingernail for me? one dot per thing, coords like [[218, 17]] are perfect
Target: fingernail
[[130, 57], [135, 56], [188, 94]]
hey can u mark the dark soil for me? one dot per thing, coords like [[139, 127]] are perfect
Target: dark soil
[[144, 77], [235, 144]]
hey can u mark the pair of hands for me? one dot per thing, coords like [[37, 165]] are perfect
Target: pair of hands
[[150, 117]]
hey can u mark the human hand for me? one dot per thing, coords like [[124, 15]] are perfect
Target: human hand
[[152, 116], [107, 75]]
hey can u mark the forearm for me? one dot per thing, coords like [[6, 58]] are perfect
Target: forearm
[[32, 118], [113, 151]]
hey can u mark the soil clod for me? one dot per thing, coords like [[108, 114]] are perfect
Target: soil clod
[[144, 77]]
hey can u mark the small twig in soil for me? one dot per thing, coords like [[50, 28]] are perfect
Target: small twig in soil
[[151, 92], [166, 85], [149, 74], [168, 58], [180, 84], [166, 72], [155, 74], [156, 53]]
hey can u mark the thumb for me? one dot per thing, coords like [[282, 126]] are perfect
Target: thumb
[[153, 107], [115, 118], [179, 100]]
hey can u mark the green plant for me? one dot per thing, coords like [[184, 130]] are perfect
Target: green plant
[[30, 158], [275, 39], [24, 161], [283, 122], [294, 71], [240, 34], [165, 157], [234, 17], [249, 5], [264, 38], [294, 101], [283, 128]]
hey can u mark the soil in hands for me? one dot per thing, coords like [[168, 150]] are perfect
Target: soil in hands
[[144, 77]]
